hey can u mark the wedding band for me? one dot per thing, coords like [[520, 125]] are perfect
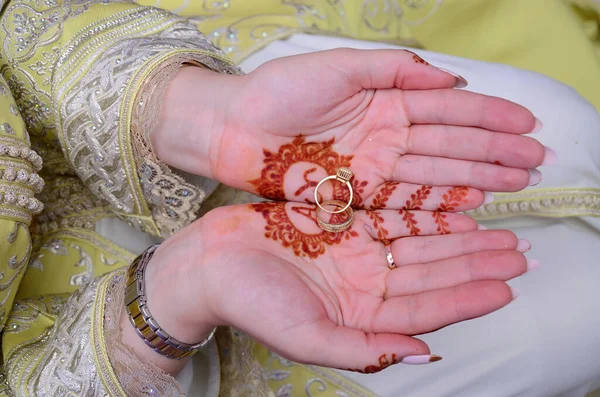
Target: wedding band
[[336, 227], [390, 257], [342, 175]]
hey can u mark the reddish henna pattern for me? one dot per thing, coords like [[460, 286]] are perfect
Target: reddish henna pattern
[[280, 228], [450, 201], [420, 60], [378, 221], [340, 192], [383, 195], [276, 165], [380, 201], [417, 198], [453, 198], [308, 183], [384, 362], [414, 203], [411, 223]]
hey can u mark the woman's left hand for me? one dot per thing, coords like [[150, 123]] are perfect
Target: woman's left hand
[[331, 298], [394, 120]]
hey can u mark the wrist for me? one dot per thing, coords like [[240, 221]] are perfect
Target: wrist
[[174, 293], [193, 113]]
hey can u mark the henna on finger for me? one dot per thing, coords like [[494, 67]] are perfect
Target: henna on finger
[[384, 362], [450, 201]]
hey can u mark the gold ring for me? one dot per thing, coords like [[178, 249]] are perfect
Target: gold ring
[[390, 258], [342, 175], [336, 227]]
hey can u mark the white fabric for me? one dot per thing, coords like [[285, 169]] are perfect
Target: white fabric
[[547, 342]]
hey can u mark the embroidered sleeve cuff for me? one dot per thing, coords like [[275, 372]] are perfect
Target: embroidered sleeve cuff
[[102, 79], [173, 201]]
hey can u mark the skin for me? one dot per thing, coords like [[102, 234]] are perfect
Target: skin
[[419, 150], [344, 308]]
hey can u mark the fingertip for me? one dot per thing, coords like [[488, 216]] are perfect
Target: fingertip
[[550, 156], [537, 127], [460, 82]]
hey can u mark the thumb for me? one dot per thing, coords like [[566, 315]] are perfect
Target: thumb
[[329, 345], [381, 69]]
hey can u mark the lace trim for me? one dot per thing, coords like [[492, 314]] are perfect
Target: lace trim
[[97, 76], [557, 203], [136, 377], [173, 202], [241, 373]]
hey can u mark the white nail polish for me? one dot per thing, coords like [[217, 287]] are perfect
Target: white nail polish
[[535, 177], [515, 293], [461, 82], [420, 360], [537, 127], [523, 245], [532, 264], [488, 197], [550, 157]]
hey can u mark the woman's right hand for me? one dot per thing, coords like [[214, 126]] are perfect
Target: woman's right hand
[[387, 115], [331, 299]]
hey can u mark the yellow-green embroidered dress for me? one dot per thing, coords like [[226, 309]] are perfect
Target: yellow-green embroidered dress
[[78, 80]]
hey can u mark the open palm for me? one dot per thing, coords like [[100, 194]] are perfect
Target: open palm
[[387, 115], [331, 299]]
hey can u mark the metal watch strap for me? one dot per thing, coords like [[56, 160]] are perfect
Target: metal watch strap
[[141, 318]]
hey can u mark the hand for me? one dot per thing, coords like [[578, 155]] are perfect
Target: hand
[[387, 115], [330, 299]]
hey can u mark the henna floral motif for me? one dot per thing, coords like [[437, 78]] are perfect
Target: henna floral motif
[[382, 232], [411, 223], [450, 201], [340, 192], [384, 362], [277, 164], [414, 203], [380, 201], [416, 199], [383, 195], [280, 228]]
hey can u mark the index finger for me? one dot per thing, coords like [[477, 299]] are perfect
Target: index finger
[[469, 109]]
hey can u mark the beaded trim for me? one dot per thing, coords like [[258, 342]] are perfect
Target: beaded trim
[[21, 176], [542, 202], [22, 153]]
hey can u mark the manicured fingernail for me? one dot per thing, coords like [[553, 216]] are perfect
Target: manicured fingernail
[[515, 293], [481, 227], [461, 82], [537, 127], [523, 245], [488, 197], [550, 156], [420, 360], [532, 264], [535, 177]]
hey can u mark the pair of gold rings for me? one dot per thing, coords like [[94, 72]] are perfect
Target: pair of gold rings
[[342, 175]]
